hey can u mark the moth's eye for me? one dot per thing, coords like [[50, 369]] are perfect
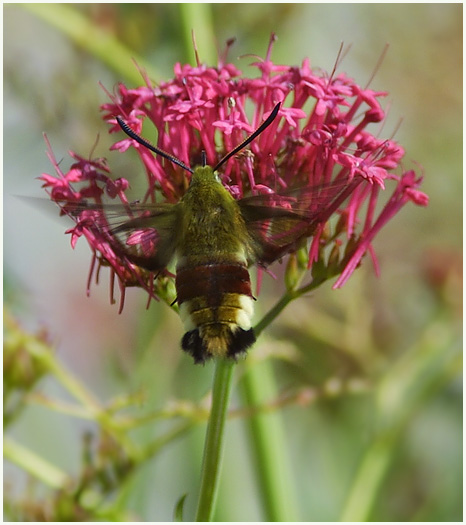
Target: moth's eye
[[217, 178]]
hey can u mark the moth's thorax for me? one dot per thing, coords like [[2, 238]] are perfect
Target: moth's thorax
[[212, 225], [203, 175]]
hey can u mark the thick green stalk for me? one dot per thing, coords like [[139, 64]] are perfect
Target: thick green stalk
[[269, 446], [268, 442], [215, 437]]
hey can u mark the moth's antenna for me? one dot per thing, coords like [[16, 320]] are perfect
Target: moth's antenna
[[148, 145], [258, 131]]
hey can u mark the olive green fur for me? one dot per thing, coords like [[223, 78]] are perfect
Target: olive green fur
[[211, 227]]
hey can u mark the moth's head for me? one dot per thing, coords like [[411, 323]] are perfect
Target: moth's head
[[203, 175]]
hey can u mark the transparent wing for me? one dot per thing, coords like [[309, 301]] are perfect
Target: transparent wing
[[145, 234], [279, 223]]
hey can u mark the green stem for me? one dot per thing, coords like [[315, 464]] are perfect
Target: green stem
[[34, 464], [214, 442], [289, 296], [268, 441], [89, 403], [418, 374], [269, 446], [369, 477], [196, 18], [94, 39]]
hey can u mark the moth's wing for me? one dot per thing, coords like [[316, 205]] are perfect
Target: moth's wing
[[145, 234], [151, 239], [273, 231], [278, 223]]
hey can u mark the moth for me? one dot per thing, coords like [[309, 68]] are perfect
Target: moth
[[214, 239]]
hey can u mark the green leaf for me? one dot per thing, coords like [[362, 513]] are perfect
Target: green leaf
[[178, 513]]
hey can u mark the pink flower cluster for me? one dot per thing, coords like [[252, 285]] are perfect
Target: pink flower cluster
[[320, 139]]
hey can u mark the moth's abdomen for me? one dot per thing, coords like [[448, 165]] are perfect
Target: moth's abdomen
[[216, 306]]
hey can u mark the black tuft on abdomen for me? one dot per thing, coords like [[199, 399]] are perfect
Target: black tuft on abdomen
[[194, 344]]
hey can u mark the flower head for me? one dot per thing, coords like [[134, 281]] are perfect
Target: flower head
[[319, 143]]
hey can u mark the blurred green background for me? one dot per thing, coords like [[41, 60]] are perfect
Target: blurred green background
[[379, 354]]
